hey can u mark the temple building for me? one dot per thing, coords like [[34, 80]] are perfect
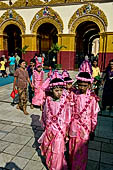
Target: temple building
[[80, 27]]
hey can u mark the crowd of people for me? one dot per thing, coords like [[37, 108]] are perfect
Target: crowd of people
[[11, 62], [69, 108]]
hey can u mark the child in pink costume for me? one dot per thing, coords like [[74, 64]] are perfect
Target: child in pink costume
[[70, 90], [86, 66], [46, 83], [37, 81], [83, 123], [56, 118]]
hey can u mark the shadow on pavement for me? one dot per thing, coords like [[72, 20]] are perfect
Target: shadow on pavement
[[10, 166], [38, 130]]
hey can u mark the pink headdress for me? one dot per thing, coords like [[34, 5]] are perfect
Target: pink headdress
[[56, 79], [38, 64], [66, 77], [78, 77], [65, 74]]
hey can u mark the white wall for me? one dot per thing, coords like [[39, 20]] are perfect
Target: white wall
[[65, 13]]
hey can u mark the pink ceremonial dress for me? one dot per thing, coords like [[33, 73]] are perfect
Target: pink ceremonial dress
[[56, 118], [84, 121], [37, 82], [86, 67]]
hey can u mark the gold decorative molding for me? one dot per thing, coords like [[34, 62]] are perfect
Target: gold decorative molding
[[12, 16], [87, 18], [45, 15], [3, 5], [56, 2], [68, 1], [22, 3], [88, 12]]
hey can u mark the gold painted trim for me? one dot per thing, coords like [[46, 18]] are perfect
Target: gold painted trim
[[22, 3], [56, 2], [88, 12], [3, 5], [16, 19], [51, 17]]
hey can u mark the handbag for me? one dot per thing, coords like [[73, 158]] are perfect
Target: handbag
[[13, 93]]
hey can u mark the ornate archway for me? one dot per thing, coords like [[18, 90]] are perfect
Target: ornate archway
[[88, 23], [9, 20], [12, 17], [46, 15], [88, 12]]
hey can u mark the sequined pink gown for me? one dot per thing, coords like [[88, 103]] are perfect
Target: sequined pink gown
[[56, 118], [86, 67], [37, 82], [84, 121]]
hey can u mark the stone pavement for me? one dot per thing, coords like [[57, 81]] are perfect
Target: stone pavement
[[18, 133]]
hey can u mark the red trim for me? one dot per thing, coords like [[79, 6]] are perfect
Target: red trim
[[4, 52], [104, 59], [29, 55], [67, 60]]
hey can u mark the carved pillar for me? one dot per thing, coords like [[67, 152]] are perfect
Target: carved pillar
[[3, 45], [106, 49], [29, 40], [66, 56]]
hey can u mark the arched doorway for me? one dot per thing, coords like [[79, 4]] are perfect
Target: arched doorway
[[87, 40], [13, 38], [46, 37]]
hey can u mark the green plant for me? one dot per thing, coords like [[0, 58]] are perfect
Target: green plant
[[23, 50], [55, 48], [58, 66]]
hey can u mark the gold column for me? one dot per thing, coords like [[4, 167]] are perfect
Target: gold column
[[30, 40], [1, 42], [67, 40], [106, 42]]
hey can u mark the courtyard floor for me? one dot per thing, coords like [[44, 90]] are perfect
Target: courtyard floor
[[19, 132]]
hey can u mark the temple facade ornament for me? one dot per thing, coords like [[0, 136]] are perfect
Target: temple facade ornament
[[70, 1], [88, 12], [52, 2], [45, 15], [22, 3], [14, 18], [3, 5]]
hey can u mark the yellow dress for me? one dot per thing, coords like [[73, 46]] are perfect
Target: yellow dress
[[96, 71], [2, 63]]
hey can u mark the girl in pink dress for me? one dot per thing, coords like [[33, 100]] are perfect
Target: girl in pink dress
[[37, 81], [56, 118], [86, 66], [83, 123]]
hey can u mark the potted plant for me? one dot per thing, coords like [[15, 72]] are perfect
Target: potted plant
[[55, 49]]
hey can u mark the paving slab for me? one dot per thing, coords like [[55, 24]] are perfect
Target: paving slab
[[3, 145], [92, 165], [23, 131], [4, 158], [16, 138], [107, 148], [107, 158], [93, 155], [27, 152], [34, 165], [106, 167], [13, 149], [94, 145], [20, 162]]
